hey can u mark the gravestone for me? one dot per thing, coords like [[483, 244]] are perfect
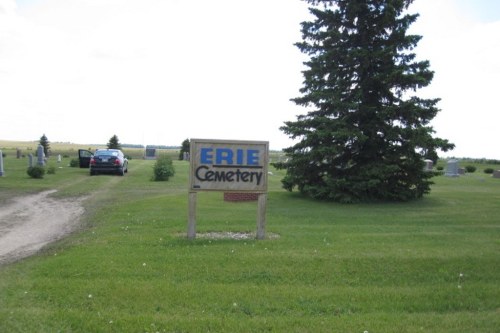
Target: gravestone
[[428, 165], [1, 163], [30, 160], [18, 153], [40, 156], [185, 156], [496, 174], [59, 158], [452, 168], [150, 154]]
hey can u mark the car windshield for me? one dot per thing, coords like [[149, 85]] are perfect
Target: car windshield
[[106, 153]]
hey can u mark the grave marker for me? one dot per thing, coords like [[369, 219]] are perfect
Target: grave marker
[[452, 168], [1, 163], [428, 165], [40, 156]]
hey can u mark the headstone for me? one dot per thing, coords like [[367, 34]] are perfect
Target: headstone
[[185, 156], [461, 171], [59, 158], [496, 174], [451, 168], [1, 163], [428, 165], [30, 160], [40, 156], [150, 153], [18, 153]]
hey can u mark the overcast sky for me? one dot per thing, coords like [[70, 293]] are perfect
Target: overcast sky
[[161, 71]]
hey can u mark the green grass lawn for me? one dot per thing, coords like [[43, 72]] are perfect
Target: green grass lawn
[[431, 265]]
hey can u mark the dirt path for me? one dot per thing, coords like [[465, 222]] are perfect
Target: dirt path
[[30, 222]]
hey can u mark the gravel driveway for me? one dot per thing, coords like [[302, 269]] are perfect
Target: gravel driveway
[[28, 223]]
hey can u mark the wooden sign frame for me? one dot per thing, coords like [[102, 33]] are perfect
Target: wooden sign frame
[[228, 166]]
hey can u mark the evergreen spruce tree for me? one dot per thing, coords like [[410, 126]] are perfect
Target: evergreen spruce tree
[[114, 143], [367, 133], [44, 142], [185, 147]]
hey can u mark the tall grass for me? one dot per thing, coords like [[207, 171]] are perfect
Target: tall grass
[[431, 265]]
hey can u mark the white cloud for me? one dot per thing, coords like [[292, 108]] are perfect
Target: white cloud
[[159, 71], [464, 53]]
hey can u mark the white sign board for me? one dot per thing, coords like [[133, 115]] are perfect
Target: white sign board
[[228, 165]]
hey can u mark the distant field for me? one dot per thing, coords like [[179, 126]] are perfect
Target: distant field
[[70, 149], [431, 265], [32, 145]]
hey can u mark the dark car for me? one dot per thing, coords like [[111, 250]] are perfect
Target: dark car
[[84, 157], [108, 161]]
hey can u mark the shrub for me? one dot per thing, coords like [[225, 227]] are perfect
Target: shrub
[[163, 169], [74, 163], [51, 170], [470, 168], [489, 170], [36, 171], [440, 168]]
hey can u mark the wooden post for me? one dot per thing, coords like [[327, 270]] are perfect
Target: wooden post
[[192, 215], [261, 216]]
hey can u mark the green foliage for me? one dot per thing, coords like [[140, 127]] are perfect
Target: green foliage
[[51, 170], [44, 142], [114, 143], [470, 168], [366, 136], [36, 171], [74, 163], [489, 170], [185, 148], [163, 168]]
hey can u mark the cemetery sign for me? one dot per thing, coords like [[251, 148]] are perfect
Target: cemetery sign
[[229, 166]]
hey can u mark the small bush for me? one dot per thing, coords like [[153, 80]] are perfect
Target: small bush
[[440, 168], [163, 169], [74, 163], [489, 170], [470, 168], [51, 170], [36, 171]]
